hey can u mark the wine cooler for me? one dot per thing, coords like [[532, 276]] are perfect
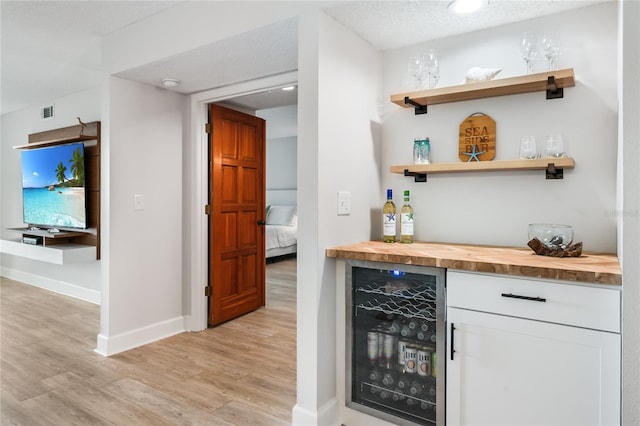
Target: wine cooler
[[396, 342]]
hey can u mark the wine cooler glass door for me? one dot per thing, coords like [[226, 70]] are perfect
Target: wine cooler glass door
[[395, 336]]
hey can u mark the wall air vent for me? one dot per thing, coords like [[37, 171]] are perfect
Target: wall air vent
[[46, 112]]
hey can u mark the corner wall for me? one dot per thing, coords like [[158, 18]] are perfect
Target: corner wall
[[338, 149], [80, 280], [143, 301]]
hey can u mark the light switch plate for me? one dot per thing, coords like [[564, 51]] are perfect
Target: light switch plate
[[344, 203], [138, 202]]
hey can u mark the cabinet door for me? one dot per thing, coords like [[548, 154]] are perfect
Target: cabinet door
[[512, 371]]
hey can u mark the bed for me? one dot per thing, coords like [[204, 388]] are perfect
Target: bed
[[281, 237]]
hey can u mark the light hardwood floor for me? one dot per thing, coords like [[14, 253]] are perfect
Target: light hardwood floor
[[242, 372]]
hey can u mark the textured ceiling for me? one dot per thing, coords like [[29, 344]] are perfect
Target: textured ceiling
[[52, 48], [269, 50], [395, 24]]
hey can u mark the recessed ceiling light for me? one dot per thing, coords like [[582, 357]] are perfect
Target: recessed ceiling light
[[170, 82], [288, 88], [466, 6]]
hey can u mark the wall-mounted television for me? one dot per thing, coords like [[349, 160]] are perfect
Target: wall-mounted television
[[53, 186]]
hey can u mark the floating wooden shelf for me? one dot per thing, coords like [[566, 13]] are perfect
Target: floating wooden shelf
[[90, 131], [551, 81], [551, 165]]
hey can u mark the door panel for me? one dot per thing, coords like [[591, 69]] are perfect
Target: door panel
[[508, 371], [236, 247]]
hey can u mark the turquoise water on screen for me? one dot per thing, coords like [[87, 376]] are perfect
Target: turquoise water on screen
[[62, 207]]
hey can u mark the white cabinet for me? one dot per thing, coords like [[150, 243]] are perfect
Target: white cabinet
[[529, 352]]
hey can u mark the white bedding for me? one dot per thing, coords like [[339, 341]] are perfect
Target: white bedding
[[281, 236]]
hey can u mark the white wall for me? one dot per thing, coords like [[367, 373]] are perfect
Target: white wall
[[338, 149], [282, 122], [82, 280], [496, 207], [144, 300], [282, 163], [282, 150]]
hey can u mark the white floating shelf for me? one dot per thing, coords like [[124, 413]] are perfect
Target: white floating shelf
[[59, 254]]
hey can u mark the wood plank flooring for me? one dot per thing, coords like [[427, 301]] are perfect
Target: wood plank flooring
[[242, 372]]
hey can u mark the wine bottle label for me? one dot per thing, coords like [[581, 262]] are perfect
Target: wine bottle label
[[372, 346], [406, 224], [389, 224]]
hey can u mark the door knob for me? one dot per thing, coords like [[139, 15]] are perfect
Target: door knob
[[261, 222]]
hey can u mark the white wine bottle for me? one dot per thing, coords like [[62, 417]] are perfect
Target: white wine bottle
[[389, 219], [406, 220]]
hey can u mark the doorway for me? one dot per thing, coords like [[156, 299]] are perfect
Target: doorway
[[197, 319]]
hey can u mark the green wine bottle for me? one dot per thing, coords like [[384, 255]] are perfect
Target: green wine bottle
[[406, 220]]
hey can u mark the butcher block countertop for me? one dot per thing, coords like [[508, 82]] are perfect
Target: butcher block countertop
[[589, 268]]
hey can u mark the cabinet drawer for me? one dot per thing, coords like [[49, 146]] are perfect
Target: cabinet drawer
[[556, 302]]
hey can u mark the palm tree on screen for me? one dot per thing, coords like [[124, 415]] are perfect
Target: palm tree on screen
[[77, 166], [60, 172]]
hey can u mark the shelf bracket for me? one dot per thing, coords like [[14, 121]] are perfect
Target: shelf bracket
[[417, 177], [419, 109], [553, 172], [553, 91]]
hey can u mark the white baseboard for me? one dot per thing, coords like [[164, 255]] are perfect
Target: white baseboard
[[111, 345], [68, 289], [327, 415]]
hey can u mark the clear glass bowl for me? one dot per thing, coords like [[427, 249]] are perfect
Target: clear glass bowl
[[551, 235]]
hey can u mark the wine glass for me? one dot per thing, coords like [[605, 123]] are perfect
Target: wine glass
[[550, 47], [529, 49], [415, 67], [431, 67]]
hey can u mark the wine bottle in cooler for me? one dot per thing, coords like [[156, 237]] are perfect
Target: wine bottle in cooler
[[390, 379], [406, 220], [398, 395], [389, 219]]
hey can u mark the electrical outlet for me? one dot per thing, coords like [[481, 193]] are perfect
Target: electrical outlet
[[344, 203]]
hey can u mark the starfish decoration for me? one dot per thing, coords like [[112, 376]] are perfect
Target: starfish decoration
[[473, 154], [391, 216]]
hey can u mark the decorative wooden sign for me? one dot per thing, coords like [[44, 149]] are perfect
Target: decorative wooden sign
[[477, 138]]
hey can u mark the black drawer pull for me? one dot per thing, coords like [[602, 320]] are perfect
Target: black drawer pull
[[517, 296]]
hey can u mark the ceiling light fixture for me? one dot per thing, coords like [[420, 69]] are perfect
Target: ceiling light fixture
[[466, 6], [170, 82], [288, 88]]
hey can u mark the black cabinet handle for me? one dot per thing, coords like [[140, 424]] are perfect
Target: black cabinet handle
[[452, 350], [261, 222], [517, 296]]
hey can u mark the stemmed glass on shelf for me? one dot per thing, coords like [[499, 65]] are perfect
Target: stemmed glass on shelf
[[416, 70], [529, 49], [425, 69], [550, 47], [431, 67]]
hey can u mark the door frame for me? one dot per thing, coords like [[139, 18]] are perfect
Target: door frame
[[197, 154]]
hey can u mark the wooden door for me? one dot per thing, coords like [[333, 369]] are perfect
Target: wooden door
[[236, 219]]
